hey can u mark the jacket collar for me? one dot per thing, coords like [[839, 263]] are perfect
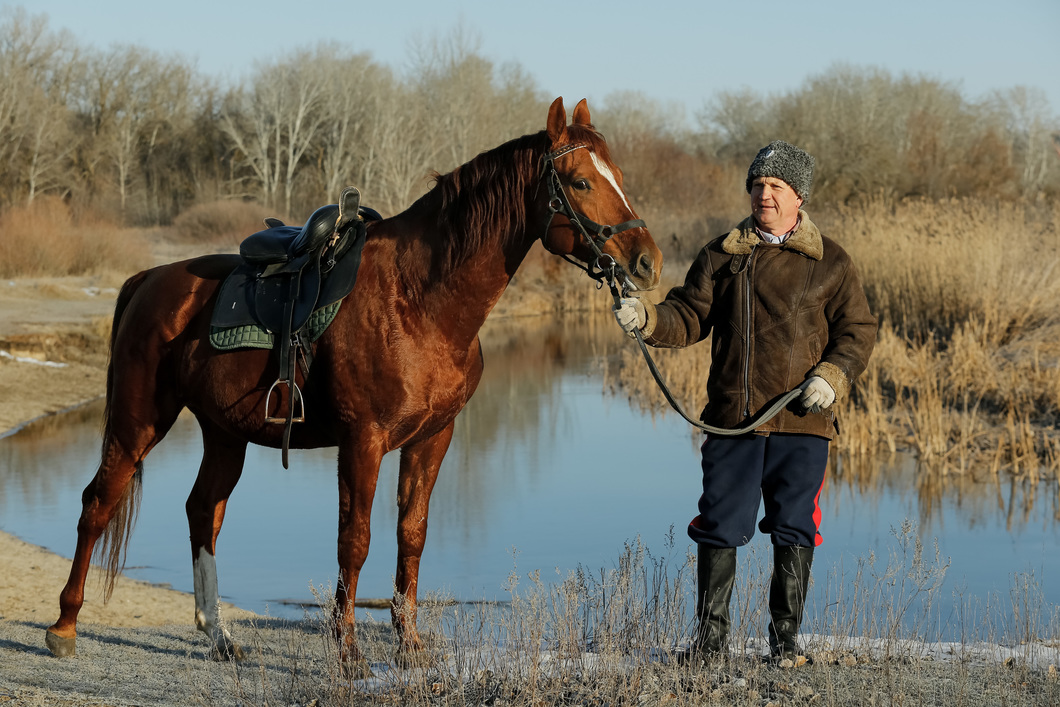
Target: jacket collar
[[806, 239]]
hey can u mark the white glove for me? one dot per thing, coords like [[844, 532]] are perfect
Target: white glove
[[630, 314], [817, 394]]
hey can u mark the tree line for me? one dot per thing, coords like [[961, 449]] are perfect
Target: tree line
[[138, 137]]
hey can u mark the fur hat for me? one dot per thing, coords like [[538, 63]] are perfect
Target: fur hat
[[784, 161]]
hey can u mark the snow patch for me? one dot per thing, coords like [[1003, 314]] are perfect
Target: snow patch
[[25, 359]]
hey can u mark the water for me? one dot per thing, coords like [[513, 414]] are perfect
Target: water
[[546, 472]]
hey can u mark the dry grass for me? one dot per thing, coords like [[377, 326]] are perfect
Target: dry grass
[[965, 371], [220, 222], [45, 239], [611, 636]]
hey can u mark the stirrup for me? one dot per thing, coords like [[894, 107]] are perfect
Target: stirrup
[[296, 396]]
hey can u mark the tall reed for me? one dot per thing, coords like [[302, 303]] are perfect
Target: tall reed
[[965, 370]]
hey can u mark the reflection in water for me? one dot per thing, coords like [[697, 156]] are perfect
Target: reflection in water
[[544, 473], [1017, 504], [47, 456]]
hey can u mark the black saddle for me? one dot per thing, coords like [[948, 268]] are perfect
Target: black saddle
[[286, 275]]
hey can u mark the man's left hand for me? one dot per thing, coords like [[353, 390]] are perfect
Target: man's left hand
[[817, 395]]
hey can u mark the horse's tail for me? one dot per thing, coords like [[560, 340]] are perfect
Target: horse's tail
[[113, 544]]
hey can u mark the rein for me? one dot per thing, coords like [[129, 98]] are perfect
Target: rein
[[766, 416]]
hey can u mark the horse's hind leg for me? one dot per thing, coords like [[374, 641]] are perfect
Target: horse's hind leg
[[109, 503], [416, 479], [222, 465]]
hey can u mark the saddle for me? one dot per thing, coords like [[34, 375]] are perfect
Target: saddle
[[288, 288]]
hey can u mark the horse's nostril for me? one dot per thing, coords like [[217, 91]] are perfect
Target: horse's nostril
[[644, 265]]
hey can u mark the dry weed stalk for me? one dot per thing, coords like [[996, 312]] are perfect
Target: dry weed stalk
[[608, 637], [966, 370]]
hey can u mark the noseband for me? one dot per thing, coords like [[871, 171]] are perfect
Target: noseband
[[603, 266]]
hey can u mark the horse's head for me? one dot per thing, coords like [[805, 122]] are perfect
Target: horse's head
[[590, 217]]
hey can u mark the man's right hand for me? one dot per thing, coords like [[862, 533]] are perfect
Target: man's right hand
[[817, 395], [630, 314]]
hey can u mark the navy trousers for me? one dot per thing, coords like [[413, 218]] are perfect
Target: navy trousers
[[785, 470]]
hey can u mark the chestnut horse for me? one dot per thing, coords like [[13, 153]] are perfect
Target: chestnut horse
[[398, 362]]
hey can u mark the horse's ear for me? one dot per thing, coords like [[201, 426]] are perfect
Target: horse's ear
[[557, 121], [581, 113]]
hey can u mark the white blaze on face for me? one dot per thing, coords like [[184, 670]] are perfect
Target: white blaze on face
[[604, 170]]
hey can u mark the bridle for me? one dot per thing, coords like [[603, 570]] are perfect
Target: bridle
[[602, 267]]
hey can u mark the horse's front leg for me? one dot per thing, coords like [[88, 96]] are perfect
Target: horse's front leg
[[359, 461], [222, 465], [419, 472]]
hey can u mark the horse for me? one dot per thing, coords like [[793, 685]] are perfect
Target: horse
[[399, 361]]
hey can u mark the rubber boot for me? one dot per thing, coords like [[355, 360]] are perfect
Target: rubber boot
[[715, 574], [787, 598]]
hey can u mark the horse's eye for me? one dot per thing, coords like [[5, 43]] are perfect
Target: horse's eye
[[581, 184]]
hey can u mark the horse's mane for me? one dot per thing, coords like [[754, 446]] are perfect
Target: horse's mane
[[485, 199]]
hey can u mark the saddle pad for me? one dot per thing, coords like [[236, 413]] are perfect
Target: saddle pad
[[250, 297], [252, 336]]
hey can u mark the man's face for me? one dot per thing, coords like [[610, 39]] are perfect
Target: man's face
[[774, 204]]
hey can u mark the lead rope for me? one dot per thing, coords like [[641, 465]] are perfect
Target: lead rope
[[602, 269], [765, 417]]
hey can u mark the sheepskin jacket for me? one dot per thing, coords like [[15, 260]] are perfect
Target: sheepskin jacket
[[779, 314]]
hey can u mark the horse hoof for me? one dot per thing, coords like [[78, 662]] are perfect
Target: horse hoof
[[229, 651], [59, 646]]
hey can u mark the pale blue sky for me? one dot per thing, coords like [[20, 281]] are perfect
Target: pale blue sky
[[683, 51]]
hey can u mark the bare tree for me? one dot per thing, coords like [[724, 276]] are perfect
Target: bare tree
[[48, 146], [1028, 125], [248, 120], [734, 124], [453, 81], [33, 69], [518, 102], [470, 105], [111, 103], [351, 104], [871, 133], [398, 149], [650, 138], [275, 121], [167, 126]]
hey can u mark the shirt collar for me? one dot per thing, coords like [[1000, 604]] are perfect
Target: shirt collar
[[776, 240]]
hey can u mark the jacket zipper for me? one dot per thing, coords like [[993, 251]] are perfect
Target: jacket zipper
[[747, 335]]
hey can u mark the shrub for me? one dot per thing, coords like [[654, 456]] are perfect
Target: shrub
[[219, 222], [44, 238]]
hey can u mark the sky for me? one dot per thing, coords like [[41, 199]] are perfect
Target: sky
[[679, 53]]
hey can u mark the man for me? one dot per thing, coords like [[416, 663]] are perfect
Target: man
[[784, 306]]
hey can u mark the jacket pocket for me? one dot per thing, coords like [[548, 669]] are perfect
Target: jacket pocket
[[815, 349]]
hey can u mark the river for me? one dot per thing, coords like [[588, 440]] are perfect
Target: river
[[548, 471]]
